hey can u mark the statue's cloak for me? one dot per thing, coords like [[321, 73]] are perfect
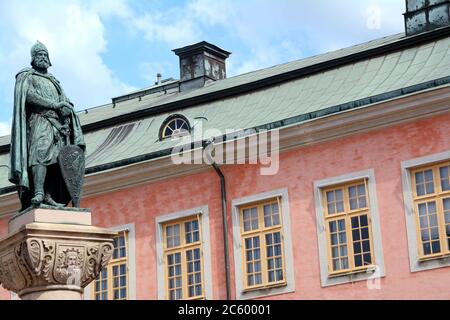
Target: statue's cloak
[[19, 173]]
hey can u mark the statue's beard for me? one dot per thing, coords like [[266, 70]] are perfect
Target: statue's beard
[[42, 64]]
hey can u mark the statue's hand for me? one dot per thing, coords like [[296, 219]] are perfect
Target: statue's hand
[[65, 111], [63, 104]]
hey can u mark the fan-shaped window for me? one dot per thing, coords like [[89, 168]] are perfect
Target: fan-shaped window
[[175, 126]]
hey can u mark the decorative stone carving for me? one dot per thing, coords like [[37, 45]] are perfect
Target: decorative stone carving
[[43, 256]]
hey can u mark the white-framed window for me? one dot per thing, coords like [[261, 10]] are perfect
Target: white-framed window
[[426, 193], [184, 255], [348, 229], [262, 245], [118, 280]]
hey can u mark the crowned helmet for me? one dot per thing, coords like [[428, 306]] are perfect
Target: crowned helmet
[[38, 47]]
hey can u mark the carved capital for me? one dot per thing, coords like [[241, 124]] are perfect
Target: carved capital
[[44, 257]]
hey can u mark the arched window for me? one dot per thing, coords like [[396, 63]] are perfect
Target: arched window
[[174, 126]]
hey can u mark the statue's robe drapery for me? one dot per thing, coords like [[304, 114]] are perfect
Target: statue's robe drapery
[[35, 138]]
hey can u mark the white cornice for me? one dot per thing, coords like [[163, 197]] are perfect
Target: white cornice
[[364, 119]]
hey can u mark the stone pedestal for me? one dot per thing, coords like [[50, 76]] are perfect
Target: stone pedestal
[[53, 254]]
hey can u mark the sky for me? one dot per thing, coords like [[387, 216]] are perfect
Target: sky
[[102, 49]]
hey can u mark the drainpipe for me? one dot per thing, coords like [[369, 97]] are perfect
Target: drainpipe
[[210, 145]]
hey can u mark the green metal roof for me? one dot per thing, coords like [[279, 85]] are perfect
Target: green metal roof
[[351, 85]]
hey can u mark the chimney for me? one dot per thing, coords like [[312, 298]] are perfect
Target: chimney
[[158, 79], [426, 15], [200, 63]]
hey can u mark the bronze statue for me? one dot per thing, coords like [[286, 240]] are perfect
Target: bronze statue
[[47, 144]]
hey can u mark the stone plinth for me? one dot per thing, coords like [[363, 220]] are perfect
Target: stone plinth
[[53, 254]]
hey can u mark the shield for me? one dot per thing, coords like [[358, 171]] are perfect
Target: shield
[[71, 161]]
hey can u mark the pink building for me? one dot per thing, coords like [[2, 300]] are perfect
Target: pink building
[[351, 201]]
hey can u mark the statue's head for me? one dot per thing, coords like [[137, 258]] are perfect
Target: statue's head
[[39, 56]]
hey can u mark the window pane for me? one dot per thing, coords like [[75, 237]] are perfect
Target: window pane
[[353, 204], [446, 205], [431, 207], [424, 182], [352, 192], [429, 228], [198, 290], [422, 209], [246, 214], [355, 222], [433, 219], [363, 220], [434, 233], [424, 222], [436, 247], [340, 206], [330, 196], [426, 248], [420, 189], [362, 202], [267, 215], [334, 239], [331, 209], [253, 262], [356, 235], [332, 226], [425, 235], [335, 202], [357, 196], [419, 178], [250, 280], [428, 175], [445, 177], [271, 276], [341, 225], [104, 285], [258, 278], [366, 246], [344, 263], [365, 233], [361, 190], [280, 275], [358, 261], [336, 265], [367, 259], [361, 242], [335, 252], [250, 217]]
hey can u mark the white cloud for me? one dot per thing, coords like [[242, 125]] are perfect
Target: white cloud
[[5, 128], [265, 32], [211, 12], [171, 27], [284, 31], [74, 34]]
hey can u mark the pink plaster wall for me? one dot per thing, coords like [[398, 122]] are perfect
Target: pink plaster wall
[[383, 150]]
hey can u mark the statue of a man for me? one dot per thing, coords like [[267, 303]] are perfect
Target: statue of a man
[[44, 121]]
